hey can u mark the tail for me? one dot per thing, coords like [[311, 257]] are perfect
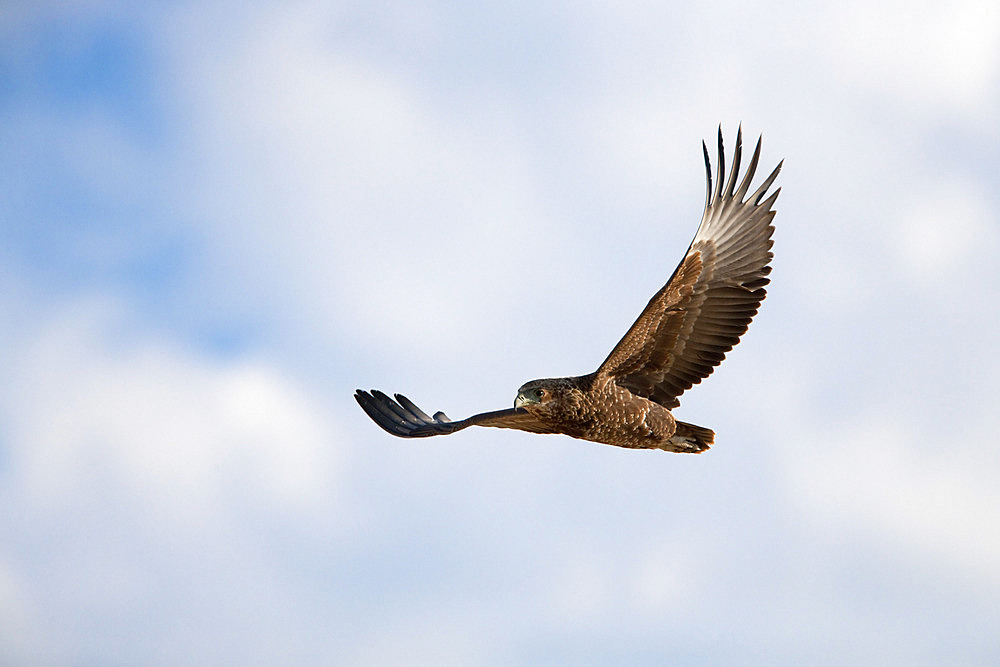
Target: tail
[[692, 439]]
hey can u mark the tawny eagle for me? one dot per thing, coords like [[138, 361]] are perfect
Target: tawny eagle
[[679, 338]]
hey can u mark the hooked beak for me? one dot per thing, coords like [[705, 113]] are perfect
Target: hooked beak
[[520, 401]]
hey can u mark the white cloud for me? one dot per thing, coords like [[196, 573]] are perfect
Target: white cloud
[[930, 57], [945, 225], [20, 639], [88, 402], [138, 473], [358, 197], [925, 493]]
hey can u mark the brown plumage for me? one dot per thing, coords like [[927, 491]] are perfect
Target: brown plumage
[[683, 333]]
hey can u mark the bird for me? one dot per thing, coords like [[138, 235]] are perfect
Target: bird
[[679, 338]]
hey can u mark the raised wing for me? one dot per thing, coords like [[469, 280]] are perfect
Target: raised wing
[[688, 326], [401, 417]]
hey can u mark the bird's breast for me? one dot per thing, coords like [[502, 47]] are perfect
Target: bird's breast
[[615, 416]]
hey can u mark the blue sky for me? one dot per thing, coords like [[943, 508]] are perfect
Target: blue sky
[[217, 221]]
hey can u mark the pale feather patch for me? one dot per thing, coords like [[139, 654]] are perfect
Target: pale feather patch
[[681, 444]]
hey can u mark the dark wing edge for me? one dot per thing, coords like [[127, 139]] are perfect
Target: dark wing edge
[[401, 417], [736, 228], [688, 326]]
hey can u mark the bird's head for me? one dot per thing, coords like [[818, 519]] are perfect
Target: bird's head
[[542, 395], [533, 393]]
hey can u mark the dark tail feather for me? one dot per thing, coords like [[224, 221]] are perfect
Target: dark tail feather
[[692, 439]]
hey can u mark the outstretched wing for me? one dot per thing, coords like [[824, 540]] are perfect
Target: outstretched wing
[[699, 315], [401, 417]]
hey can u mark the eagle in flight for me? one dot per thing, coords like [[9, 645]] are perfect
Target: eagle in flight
[[679, 338]]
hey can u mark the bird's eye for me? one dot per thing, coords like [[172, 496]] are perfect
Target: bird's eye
[[539, 393]]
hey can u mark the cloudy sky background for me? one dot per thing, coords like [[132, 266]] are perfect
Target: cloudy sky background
[[217, 221]]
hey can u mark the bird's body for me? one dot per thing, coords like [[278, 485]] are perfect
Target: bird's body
[[685, 331], [600, 410]]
